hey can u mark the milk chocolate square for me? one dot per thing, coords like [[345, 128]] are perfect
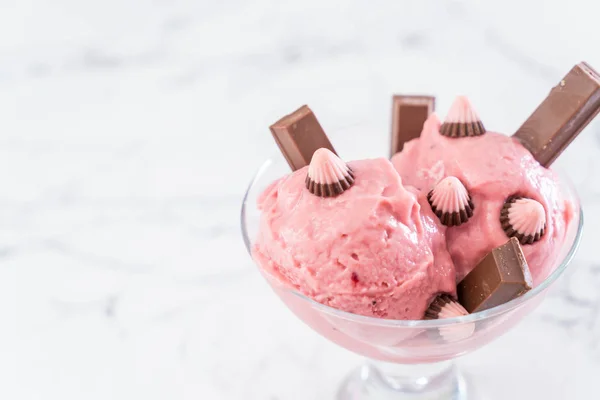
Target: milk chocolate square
[[298, 136], [500, 276], [409, 113], [563, 114]]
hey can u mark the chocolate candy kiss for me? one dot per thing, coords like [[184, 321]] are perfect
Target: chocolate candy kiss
[[328, 175], [524, 219], [451, 202], [462, 120], [444, 306]]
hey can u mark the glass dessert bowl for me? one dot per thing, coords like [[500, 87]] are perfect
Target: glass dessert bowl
[[405, 359]]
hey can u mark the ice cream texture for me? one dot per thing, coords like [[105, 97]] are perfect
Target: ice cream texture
[[377, 249], [386, 239], [492, 167]]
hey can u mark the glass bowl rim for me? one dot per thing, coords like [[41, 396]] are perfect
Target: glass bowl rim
[[392, 323]]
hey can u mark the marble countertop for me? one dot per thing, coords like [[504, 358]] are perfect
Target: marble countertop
[[129, 130]]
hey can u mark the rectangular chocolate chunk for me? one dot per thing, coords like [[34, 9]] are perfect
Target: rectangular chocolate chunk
[[409, 113], [501, 276], [569, 107], [298, 136]]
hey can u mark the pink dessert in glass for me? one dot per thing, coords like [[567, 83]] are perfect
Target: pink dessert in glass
[[369, 253], [377, 249], [492, 166]]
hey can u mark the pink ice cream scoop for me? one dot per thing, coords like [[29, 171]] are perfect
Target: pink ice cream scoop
[[511, 193], [355, 238]]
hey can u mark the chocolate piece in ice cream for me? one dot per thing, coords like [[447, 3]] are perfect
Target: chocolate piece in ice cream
[[409, 113], [462, 120], [501, 276], [444, 306], [451, 202], [328, 175], [524, 219], [569, 107], [298, 136]]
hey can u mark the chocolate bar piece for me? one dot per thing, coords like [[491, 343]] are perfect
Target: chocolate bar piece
[[569, 107], [409, 113], [501, 276], [298, 136]]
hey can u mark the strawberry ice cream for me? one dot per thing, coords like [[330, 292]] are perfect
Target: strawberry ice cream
[[511, 193], [457, 205], [354, 238]]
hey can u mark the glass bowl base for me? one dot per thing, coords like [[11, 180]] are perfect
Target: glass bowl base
[[384, 381]]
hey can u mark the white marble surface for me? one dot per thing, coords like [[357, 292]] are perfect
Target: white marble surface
[[129, 129]]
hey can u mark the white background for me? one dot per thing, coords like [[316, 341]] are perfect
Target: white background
[[129, 129]]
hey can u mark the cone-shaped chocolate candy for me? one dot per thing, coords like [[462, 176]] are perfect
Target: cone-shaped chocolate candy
[[328, 175], [462, 120], [451, 202], [524, 219]]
